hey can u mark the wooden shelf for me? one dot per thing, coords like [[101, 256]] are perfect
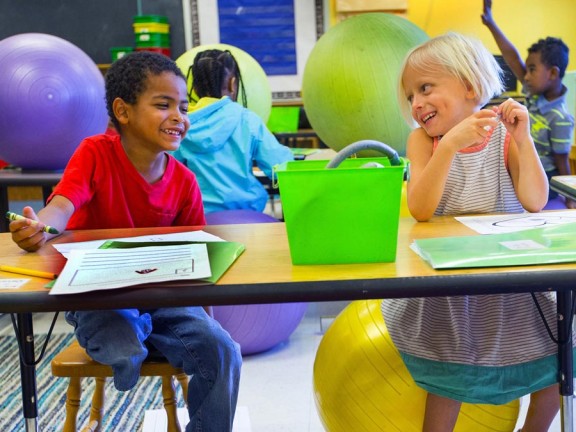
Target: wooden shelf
[[345, 6], [103, 68]]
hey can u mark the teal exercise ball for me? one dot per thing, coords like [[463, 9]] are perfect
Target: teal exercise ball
[[350, 81], [256, 85]]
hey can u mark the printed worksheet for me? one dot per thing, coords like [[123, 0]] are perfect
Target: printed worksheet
[[197, 236], [507, 223], [102, 269]]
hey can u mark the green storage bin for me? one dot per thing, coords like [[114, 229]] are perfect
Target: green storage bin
[[343, 215], [140, 19], [283, 119], [119, 52], [152, 39], [151, 28]]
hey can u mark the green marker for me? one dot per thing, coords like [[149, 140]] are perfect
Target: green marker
[[47, 228]]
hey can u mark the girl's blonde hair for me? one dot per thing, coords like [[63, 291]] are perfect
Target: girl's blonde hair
[[463, 57]]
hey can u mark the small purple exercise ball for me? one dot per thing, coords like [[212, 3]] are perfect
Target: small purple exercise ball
[[260, 327], [51, 97], [255, 327]]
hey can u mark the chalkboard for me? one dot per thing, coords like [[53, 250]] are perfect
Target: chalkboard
[[94, 26]]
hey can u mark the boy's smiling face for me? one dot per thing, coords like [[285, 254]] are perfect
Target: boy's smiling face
[[538, 76], [158, 120]]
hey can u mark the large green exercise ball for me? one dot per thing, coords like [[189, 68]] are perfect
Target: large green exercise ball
[[350, 81], [256, 83]]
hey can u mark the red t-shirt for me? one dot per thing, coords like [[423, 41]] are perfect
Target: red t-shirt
[[108, 192]]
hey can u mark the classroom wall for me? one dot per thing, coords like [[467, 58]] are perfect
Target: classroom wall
[[97, 26], [523, 21], [94, 26]]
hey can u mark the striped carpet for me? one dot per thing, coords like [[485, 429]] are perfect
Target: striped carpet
[[52, 393]]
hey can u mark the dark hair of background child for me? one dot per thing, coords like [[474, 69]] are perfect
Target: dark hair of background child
[[209, 70]]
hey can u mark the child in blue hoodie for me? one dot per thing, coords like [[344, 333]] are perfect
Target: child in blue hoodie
[[225, 138]]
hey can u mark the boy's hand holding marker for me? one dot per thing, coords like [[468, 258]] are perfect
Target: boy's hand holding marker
[[28, 231], [46, 228]]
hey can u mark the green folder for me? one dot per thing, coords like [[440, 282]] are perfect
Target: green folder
[[297, 151], [551, 244], [221, 254]]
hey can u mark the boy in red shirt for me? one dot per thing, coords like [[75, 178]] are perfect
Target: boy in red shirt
[[130, 180]]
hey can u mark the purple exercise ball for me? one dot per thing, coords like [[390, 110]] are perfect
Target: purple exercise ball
[[255, 327], [260, 327], [238, 216], [51, 97]]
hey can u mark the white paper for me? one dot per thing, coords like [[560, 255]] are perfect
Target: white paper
[[101, 269], [12, 283], [197, 236], [157, 421], [523, 245], [506, 223]]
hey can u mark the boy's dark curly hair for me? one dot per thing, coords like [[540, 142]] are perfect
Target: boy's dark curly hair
[[553, 52], [126, 78]]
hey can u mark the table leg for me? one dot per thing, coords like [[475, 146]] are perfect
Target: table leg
[[565, 371], [4, 206], [46, 192], [25, 334]]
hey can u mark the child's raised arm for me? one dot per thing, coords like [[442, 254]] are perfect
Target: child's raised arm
[[511, 55], [525, 167], [31, 237]]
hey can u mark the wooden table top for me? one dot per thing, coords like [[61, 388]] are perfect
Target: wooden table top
[[264, 273]]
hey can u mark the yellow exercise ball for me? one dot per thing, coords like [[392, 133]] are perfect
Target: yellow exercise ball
[[362, 385], [256, 85]]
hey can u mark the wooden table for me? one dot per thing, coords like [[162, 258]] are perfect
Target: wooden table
[[264, 274]]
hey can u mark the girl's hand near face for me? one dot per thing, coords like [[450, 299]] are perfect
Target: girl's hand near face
[[516, 118], [525, 168], [471, 131]]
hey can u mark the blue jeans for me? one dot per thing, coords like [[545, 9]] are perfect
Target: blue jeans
[[187, 337]]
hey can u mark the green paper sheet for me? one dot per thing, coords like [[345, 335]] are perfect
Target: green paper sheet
[[551, 244]]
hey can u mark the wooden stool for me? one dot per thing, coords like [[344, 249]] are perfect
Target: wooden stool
[[73, 362]]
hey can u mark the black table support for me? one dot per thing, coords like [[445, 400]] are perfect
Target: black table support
[[25, 335], [565, 358]]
